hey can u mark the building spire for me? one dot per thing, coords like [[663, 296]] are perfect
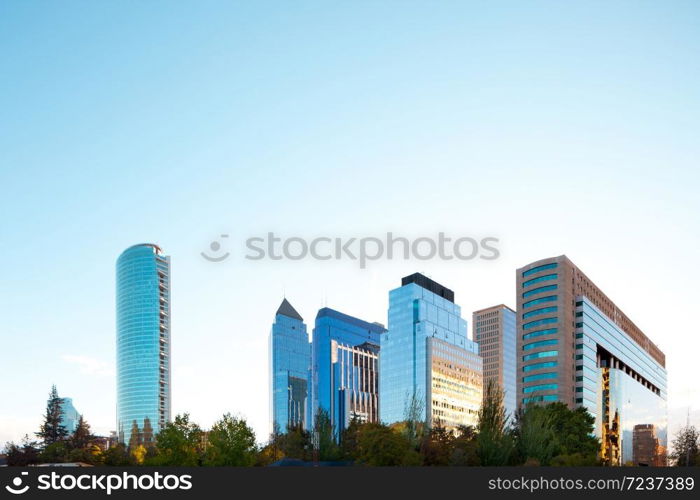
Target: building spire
[[286, 309]]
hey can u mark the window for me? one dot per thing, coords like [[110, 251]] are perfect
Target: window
[[538, 366], [543, 354], [541, 343], [549, 298], [539, 333], [539, 322], [546, 277], [537, 399], [538, 312], [541, 387], [542, 289], [539, 376], [537, 269]]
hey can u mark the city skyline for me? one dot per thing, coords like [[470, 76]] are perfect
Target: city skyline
[[559, 130]]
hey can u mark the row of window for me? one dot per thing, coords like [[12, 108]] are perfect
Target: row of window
[[539, 322], [539, 366], [541, 343], [543, 354], [539, 333], [538, 399], [542, 289], [537, 269], [546, 277], [541, 387], [540, 311], [539, 376], [541, 300]]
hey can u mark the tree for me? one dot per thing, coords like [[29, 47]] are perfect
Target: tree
[[494, 443], [684, 449], [349, 439], [324, 437], [295, 443], [179, 443], [436, 445], [379, 445], [27, 453], [464, 447], [136, 437], [231, 442], [534, 435], [117, 456], [52, 430], [414, 418], [82, 436]]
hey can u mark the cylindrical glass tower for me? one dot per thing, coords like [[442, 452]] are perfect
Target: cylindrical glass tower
[[143, 343]]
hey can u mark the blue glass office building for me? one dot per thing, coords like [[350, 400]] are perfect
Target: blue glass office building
[[345, 375], [69, 415], [426, 357], [143, 342], [290, 366]]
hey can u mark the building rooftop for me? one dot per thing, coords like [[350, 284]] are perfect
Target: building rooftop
[[430, 285], [286, 309]]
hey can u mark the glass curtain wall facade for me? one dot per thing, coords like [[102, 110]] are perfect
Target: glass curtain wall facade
[[143, 343], [344, 367], [355, 383], [290, 364], [494, 330], [69, 415], [421, 310]]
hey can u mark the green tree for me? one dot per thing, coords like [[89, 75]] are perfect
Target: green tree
[[349, 439], [179, 443], [574, 431], [325, 444], [414, 419], [295, 443], [464, 447], [684, 449], [437, 445], [52, 430], [117, 456], [82, 436], [55, 453], [534, 435], [494, 442], [379, 445], [230, 442], [26, 453]]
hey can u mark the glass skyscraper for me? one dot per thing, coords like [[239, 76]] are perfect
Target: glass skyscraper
[[143, 343], [426, 359], [69, 415], [345, 371], [290, 366]]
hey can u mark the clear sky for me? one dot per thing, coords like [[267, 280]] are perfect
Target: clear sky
[[558, 127]]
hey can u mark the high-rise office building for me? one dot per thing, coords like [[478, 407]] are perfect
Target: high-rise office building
[[646, 448], [69, 415], [576, 346], [345, 371], [290, 366], [426, 359], [493, 329], [143, 342]]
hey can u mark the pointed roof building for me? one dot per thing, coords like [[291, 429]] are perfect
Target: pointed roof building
[[286, 309]]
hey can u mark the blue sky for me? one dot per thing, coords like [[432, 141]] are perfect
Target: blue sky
[[557, 127]]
